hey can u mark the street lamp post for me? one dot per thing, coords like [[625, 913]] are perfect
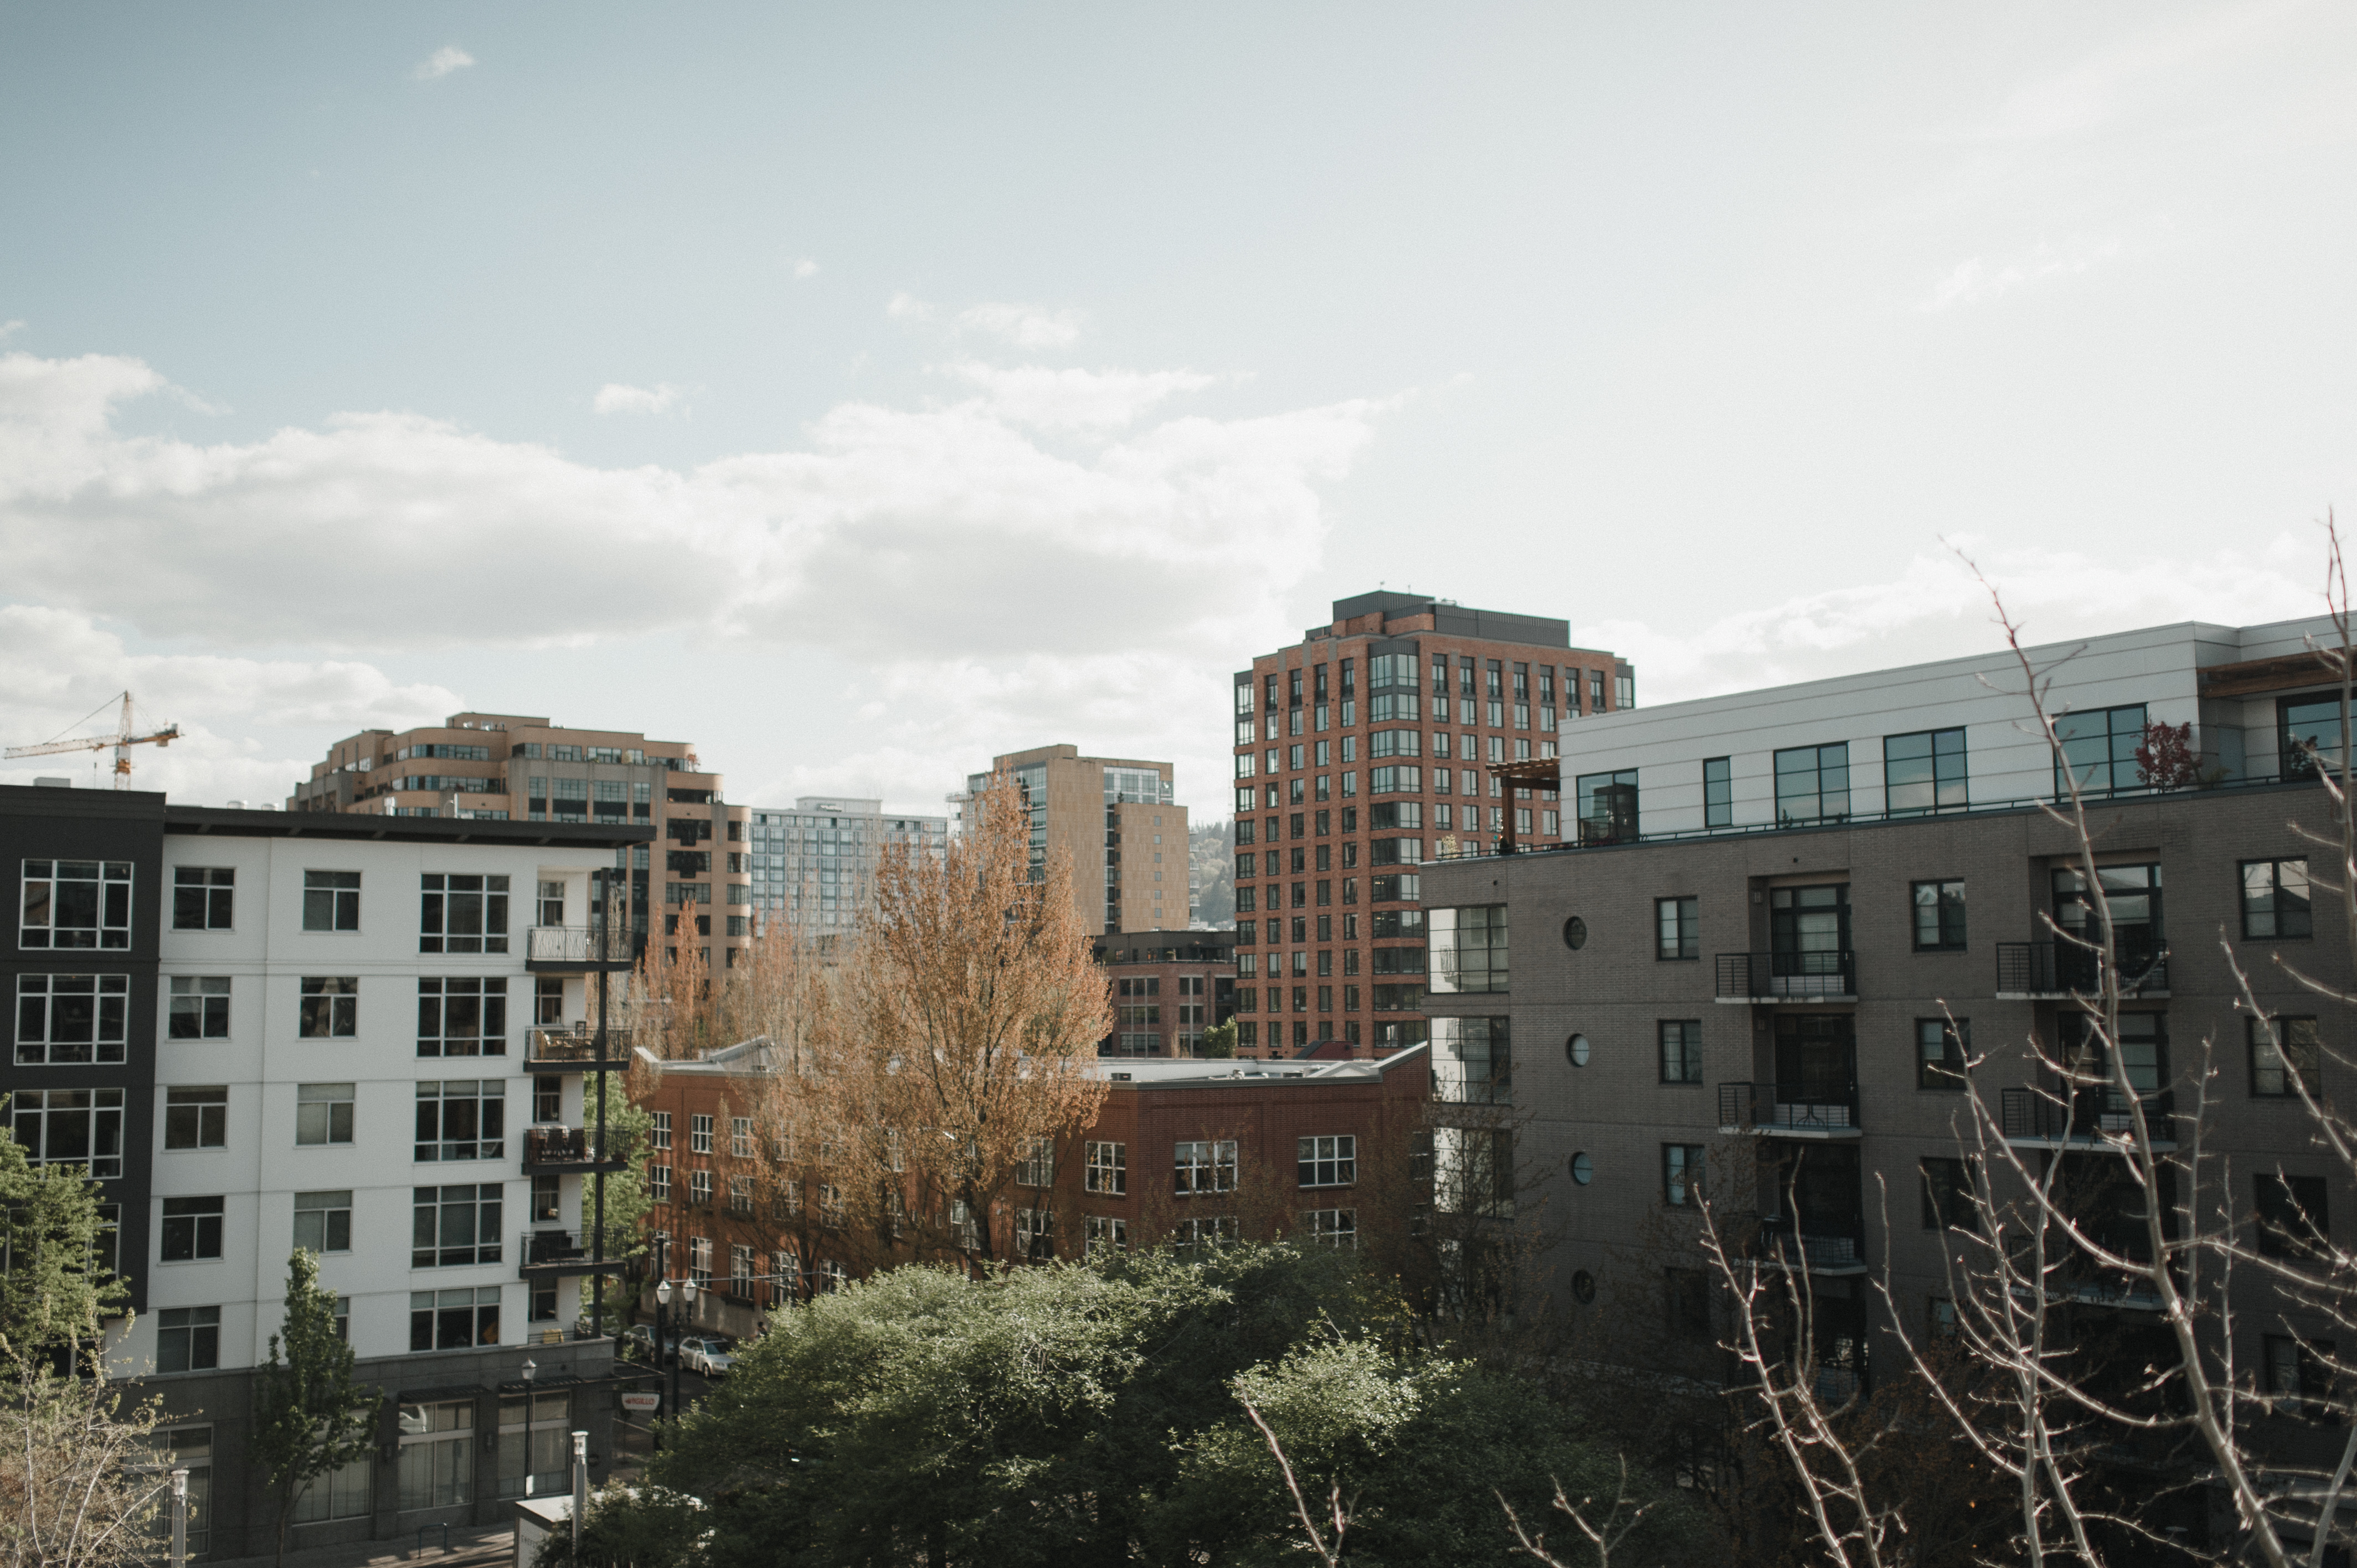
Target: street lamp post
[[180, 1543]]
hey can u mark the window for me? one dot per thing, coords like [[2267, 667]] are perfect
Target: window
[[535, 1450], [699, 1188], [1677, 924], [462, 913], [1717, 792], [76, 904], [1205, 1230], [323, 1221], [548, 1199], [1607, 805], [195, 1118], [699, 1134], [2298, 1376], [1948, 1194], [462, 1018], [1108, 1169], [1812, 783], [1327, 1162], [740, 1137], [1034, 1234], [1332, 1226], [187, 1339], [453, 1226], [462, 1118], [1939, 1050], [1923, 771], [331, 1007], [331, 900], [71, 1127], [323, 1113], [204, 898], [1939, 917], [1687, 1294], [193, 1230], [548, 1097], [1205, 1166], [437, 1441], [2099, 750], [1681, 1050], [348, 1492], [63, 1018], [740, 1194], [1682, 1174], [1472, 1060], [2276, 899], [2284, 1054], [2302, 722], [199, 1007], [2293, 1221], [832, 1207], [1036, 1168], [659, 1184], [1469, 948], [1104, 1233], [659, 1136]]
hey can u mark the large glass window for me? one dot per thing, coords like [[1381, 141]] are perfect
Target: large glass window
[[331, 900], [76, 904], [2099, 750], [1812, 783], [535, 1446], [199, 1007], [191, 1229], [1606, 803], [1717, 792], [2132, 894], [323, 1221], [2276, 899], [196, 1116], [71, 1127], [1923, 771], [70, 1019], [346, 1493], [189, 1448], [462, 1018], [1108, 1168], [187, 1338], [323, 1113], [453, 1226], [1204, 1165], [1327, 1160], [204, 898], [1472, 1062], [2305, 722], [462, 913], [331, 1007], [462, 1118], [1469, 951], [437, 1445]]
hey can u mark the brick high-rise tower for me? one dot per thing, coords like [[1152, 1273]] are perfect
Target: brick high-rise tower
[[1362, 751], [1117, 820]]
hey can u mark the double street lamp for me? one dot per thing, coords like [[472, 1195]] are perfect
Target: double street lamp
[[663, 1321]]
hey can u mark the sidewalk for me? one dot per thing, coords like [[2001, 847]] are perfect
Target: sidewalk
[[471, 1546]]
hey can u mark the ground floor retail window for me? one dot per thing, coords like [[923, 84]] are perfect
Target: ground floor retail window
[[438, 1454], [189, 1448], [535, 1446], [348, 1493]]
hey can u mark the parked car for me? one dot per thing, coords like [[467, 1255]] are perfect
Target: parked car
[[638, 1343], [706, 1354]]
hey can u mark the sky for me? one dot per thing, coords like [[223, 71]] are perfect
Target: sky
[[858, 392]]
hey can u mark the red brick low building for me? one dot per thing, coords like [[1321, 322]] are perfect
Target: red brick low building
[[1191, 1150], [1165, 988]]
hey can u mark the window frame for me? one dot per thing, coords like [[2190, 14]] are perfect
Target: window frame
[[201, 1123], [1689, 1045], [110, 904], [1106, 1168], [1946, 1076], [1684, 1168], [330, 903], [1816, 772], [1934, 755], [186, 1228], [329, 1228], [2275, 914], [1943, 938], [1677, 928], [2067, 768], [208, 899], [2265, 1034], [108, 1019], [329, 1000], [1326, 1160], [1717, 791]]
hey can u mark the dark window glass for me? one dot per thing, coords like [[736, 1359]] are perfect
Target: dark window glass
[[2292, 1219], [1923, 771], [331, 900], [1812, 783], [1939, 1050], [1939, 916], [1948, 1195], [2305, 722], [204, 898], [192, 1229], [330, 1007], [2284, 1054], [1681, 1050], [2276, 899], [1717, 792], [2099, 750]]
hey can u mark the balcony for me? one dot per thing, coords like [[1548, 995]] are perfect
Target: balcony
[[560, 1254], [576, 1050], [1788, 1110], [2053, 972], [575, 950], [1832, 1256], [1765, 977], [2089, 1117], [566, 1149]]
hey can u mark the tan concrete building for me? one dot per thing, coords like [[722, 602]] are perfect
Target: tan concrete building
[[1116, 817], [518, 768]]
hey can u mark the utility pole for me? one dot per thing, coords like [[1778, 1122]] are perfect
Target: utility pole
[[179, 1547]]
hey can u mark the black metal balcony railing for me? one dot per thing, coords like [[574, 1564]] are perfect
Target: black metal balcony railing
[[579, 946], [1819, 1250], [555, 1047], [1781, 976], [1815, 1108], [567, 1148], [2065, 969], [562, 1252], [2086, 1113]]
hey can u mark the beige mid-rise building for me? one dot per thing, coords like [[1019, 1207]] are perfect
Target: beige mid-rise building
[[1116, 818], [520, 768]]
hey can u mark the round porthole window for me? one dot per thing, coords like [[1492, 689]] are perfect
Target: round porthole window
[[1583, 1169], [1576, 1048], [1575, 933], [1583, 1287]]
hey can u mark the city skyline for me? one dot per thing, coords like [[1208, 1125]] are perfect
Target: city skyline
[[396, 366]]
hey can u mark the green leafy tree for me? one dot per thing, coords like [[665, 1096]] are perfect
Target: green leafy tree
[[1219, 1040], [629, 1128], [310, 1419], [55, 1288]]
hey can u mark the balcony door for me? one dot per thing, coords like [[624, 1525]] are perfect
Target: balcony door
[[1818, 1188], [1808, 939], [2133, 894], [2144, 1052], [1816, 1065]]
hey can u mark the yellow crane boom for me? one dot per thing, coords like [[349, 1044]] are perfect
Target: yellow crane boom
[[122, 740]]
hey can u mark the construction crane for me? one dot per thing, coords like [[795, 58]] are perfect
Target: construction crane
[[122, 740]]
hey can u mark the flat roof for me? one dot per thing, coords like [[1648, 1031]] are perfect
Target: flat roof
[[400, 829]]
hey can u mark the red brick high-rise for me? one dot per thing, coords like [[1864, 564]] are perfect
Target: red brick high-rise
[[1361, 752]]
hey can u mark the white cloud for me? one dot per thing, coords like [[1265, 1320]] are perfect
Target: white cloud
[[908, 307], [62, 666], [1978, 279], [804, 267], [1936, 609], [1025, 325], [1048, 399], [10, 329], [449, 58], [614, 397], [888, 532]]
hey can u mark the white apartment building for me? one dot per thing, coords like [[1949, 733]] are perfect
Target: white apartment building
[[815, 865], [365, 1038]]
